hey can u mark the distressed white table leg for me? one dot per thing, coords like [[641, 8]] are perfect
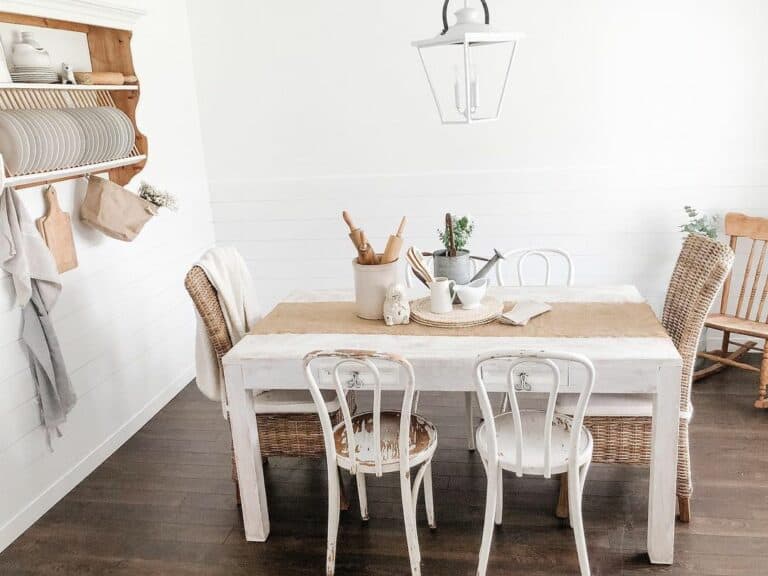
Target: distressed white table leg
[[250, 473], [661, 493]]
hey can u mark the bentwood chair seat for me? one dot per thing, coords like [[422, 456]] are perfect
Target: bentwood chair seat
[[532, 422], [422, 442]]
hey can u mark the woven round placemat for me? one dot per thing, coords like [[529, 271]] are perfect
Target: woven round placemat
[[489, 310]]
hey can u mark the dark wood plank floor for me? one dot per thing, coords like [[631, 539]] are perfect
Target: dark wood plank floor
[[163, 505]]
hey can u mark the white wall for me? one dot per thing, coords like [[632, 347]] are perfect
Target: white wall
[[124, 320], [619, 114]]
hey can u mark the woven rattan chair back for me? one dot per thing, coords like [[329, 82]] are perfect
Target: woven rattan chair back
[[702, 266], [206, 302]]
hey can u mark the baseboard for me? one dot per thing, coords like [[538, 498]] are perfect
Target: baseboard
[[16, 526]]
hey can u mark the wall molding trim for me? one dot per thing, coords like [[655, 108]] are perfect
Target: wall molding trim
[[17, 525], [122, 15]]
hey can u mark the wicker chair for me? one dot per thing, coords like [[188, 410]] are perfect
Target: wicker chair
[[620, 426], [287, 420]]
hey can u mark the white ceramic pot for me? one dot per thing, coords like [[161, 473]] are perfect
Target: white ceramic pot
[[29, 53], [371, 283]]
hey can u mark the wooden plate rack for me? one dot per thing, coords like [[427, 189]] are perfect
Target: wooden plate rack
[[110, 51]]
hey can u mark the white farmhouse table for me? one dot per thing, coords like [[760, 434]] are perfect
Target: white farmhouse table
[[624, 365]]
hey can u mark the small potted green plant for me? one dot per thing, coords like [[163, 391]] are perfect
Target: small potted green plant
[[453, 262]]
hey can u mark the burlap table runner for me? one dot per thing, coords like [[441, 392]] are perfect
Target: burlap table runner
[[565, 320]]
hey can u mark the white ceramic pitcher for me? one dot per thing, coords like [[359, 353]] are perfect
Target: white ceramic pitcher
[[442, 290]]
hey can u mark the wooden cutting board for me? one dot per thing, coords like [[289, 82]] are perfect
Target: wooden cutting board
[[56, 229]]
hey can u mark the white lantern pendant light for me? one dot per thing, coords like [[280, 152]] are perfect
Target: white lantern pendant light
[[468, 66]]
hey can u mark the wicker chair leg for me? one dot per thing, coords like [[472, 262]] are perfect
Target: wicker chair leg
[[684, 484], [562, 499], [762, 400], [237, 494]]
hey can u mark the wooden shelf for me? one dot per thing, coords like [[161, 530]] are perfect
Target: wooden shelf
[[39, 178], [77, 87], [110, 51]]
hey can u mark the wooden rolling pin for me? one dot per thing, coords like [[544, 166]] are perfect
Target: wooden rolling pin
[[102, 78], [394, 245], [365, 254]]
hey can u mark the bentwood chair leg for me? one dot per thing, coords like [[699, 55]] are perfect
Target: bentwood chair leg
[[499, 498], [362, 495], [488, 523], [562, 498], [333, 519], [429, 501], [469, 415], [409, 517], [343, 497], [574, 490]]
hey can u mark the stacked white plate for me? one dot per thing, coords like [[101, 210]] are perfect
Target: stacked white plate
[[45, 140], [35, 74]]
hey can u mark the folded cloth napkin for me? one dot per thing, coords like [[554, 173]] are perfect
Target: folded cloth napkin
[[229, 275], [24, 255], [523, 311]]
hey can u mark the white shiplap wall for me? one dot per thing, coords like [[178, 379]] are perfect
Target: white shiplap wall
[[618, 115], [124, 320]]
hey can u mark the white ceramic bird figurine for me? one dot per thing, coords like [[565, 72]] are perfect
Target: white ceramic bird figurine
[[397, 309], [67, 74]]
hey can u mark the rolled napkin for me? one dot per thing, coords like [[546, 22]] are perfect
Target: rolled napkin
[[523, 311]]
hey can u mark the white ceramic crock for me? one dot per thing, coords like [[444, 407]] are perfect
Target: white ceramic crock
[[371, 283]]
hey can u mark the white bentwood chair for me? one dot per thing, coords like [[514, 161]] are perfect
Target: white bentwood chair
[[378, 441], [533, 442], [547, 255]]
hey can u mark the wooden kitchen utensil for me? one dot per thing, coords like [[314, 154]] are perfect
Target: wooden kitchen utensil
[[355, 234], [56, 229], [102, 78], [417, 264], [366, 254], [394, 245]]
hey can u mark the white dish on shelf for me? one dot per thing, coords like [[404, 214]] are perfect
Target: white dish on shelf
[[74, 138], [110, 133], [11, 144], [58, 139], [35, 140]]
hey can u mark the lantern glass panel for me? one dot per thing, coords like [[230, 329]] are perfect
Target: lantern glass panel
[[486, 75]]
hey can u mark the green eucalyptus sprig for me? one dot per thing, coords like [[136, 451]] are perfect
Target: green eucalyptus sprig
[[700, 224]]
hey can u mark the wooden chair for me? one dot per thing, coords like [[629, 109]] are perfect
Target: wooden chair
[[750, 315], [621, 426], [520, 256], [533, 442], [287, 420], [375, 442], [410, 281]]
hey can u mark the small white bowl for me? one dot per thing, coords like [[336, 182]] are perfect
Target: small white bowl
[[472, 294]]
